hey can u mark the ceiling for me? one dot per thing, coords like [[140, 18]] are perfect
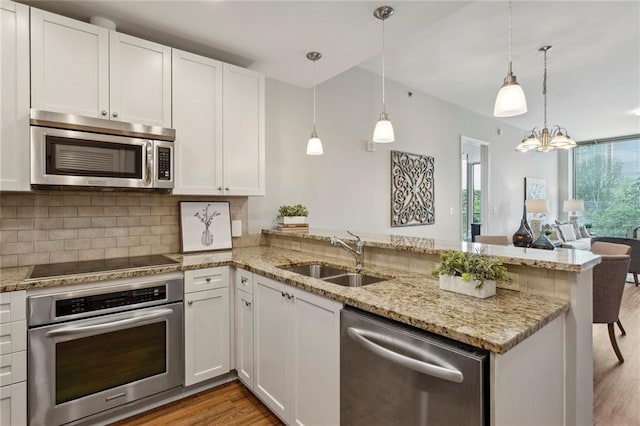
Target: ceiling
[[454, 50]]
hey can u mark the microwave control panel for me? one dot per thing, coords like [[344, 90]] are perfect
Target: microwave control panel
[[164, 163]]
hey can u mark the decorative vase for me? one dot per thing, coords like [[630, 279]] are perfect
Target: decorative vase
[[523, 236], [207, 237], [458, 285]]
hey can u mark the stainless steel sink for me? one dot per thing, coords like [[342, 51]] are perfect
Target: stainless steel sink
[[353, 279], [334, 275], [316, 270]]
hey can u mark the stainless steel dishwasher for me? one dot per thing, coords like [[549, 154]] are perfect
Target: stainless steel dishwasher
[[394, 374]]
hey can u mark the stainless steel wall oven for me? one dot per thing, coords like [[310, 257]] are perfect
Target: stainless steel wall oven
[[93, 350]]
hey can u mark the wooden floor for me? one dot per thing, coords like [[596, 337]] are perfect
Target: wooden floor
[[230, 404], [616, 399], [616, 386]]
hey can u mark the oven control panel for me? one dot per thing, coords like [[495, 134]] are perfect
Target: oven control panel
[[99, 302]]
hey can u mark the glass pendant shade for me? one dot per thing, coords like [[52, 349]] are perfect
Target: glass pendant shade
[[510, 100], [314, 146], [383, 132]]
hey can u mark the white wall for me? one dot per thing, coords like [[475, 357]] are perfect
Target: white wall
[[349, 188]]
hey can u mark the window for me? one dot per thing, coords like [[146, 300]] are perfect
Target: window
[[607, 178]]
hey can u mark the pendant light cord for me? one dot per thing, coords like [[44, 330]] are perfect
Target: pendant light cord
[[544, 88], [314, 96], [384, 110], [510, 32]]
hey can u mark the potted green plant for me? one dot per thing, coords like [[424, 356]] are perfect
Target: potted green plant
[[473, 274], [293, 215]]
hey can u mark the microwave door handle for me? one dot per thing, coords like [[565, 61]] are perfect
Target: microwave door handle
[[67, 331], [449, 374], [149, 171]]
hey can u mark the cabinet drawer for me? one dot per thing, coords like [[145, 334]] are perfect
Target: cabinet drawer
[[13, 337], [13, 368], [244, 281], [12, 306], [206, 279], [13, 404]]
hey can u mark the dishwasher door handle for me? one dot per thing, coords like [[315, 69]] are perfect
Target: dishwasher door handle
[[360, 336]]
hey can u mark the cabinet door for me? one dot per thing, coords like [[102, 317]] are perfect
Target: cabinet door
[[244, 337], [243, 131], [271, 345], [206, 336], [197, 118], [140, 80], [69, 65], [14, 102], [13, 404], [316, 360]]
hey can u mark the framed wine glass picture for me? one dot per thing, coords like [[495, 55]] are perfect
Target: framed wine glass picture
[[204, 226]]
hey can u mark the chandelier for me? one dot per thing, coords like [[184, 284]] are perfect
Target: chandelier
[[546, 140]]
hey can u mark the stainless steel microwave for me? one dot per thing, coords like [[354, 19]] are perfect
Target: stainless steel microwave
[[73, 150]]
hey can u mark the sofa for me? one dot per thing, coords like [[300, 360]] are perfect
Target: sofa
[[570, 235]]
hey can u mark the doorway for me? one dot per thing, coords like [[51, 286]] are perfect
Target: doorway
[[475, 187]]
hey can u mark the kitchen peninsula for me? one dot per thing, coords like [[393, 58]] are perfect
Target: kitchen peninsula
[[536, 332]]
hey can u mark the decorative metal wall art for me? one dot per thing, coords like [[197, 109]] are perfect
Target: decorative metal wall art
[[412, 189]]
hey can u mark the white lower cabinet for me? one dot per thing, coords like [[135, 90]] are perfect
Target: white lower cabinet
[[244, 327], [297, 353], [206, 325], [13, 359]]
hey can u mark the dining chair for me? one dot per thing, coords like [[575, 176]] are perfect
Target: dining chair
[[608, 285]]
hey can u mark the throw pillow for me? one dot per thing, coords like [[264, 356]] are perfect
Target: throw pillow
[[576, 228], [556, 233], [584, 232], [567, 232]]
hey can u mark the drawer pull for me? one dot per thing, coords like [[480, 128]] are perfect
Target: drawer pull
[[247, 303], [190, 302], [244, 280], [208, 279]]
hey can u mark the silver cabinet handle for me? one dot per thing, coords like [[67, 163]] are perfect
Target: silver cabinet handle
[[360, 336], [219, 188], [208, 279], [226, 188], [103, 113], [289, 296], [67, 331], [244, 280], [283, 293], [246, 303], [190, 302], [115, 114], [149, 162]]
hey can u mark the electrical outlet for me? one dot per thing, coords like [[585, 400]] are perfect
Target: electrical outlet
[[295, 245], [369, 146], [451, 211]]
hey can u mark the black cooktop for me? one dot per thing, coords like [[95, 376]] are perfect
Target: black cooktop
[[88, 266]]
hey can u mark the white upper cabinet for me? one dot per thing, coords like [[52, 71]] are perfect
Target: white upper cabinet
[[140, 76], [243, 131], [218, 114], [69, 65], [197, 117], [84, 69], [14, 101]]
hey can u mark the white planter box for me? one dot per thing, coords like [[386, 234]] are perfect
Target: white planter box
[[458, 285], [293, 220]]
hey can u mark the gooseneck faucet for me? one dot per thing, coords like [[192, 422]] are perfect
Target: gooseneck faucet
[[358, 252]]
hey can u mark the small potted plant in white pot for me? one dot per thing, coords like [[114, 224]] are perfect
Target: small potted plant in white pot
[[293, 215], [473, 274]]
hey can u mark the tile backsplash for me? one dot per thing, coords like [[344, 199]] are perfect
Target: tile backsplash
[[65, 226]]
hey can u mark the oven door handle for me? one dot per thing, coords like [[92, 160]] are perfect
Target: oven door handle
[[360, 336], [67, 331]]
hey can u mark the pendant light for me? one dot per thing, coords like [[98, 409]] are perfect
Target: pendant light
[[314, 146], [383, 133], [546, 140], [510, 100]]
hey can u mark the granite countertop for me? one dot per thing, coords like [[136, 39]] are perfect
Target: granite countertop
[[498, 323], [559, 259]]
